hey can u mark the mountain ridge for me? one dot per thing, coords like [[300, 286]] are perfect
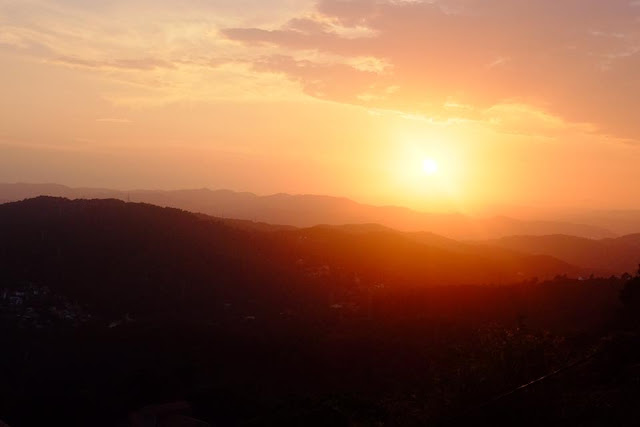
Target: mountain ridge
[[620, 254], [145, 230], [310, 210]]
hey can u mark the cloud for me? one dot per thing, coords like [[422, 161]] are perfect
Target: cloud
[[574, 60], [150, 53], [118, 64], [522, 119], [112, 120]]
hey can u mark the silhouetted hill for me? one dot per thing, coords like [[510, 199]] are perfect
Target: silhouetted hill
[[487, 252], [617, 255], [310, 210], [136, 255], [244, 224]]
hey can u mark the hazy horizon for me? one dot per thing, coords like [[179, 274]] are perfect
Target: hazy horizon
[[509, 210]]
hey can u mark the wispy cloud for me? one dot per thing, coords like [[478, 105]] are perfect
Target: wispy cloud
[[577, 60], [169, 50], [113, 120]]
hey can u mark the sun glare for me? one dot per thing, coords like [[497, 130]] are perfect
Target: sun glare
[[430, 166]]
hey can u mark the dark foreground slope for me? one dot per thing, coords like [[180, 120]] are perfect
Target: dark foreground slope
[[109, 307]]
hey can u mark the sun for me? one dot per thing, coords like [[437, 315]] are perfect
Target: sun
[[430, 166]]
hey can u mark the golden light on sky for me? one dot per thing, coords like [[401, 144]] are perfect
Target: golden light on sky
[[440, 104]]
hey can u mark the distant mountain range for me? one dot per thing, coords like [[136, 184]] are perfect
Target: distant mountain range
[[619, 255], [311, 210], [620, 222], [601, 256]]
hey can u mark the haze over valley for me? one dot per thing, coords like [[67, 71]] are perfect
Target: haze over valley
[[310, 210]]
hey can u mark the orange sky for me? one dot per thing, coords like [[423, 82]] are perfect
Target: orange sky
[[519, 102]]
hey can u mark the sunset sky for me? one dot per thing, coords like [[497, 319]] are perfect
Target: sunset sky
[[437, 105]]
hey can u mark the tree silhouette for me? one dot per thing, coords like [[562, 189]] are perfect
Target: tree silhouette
[[630, 297]]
